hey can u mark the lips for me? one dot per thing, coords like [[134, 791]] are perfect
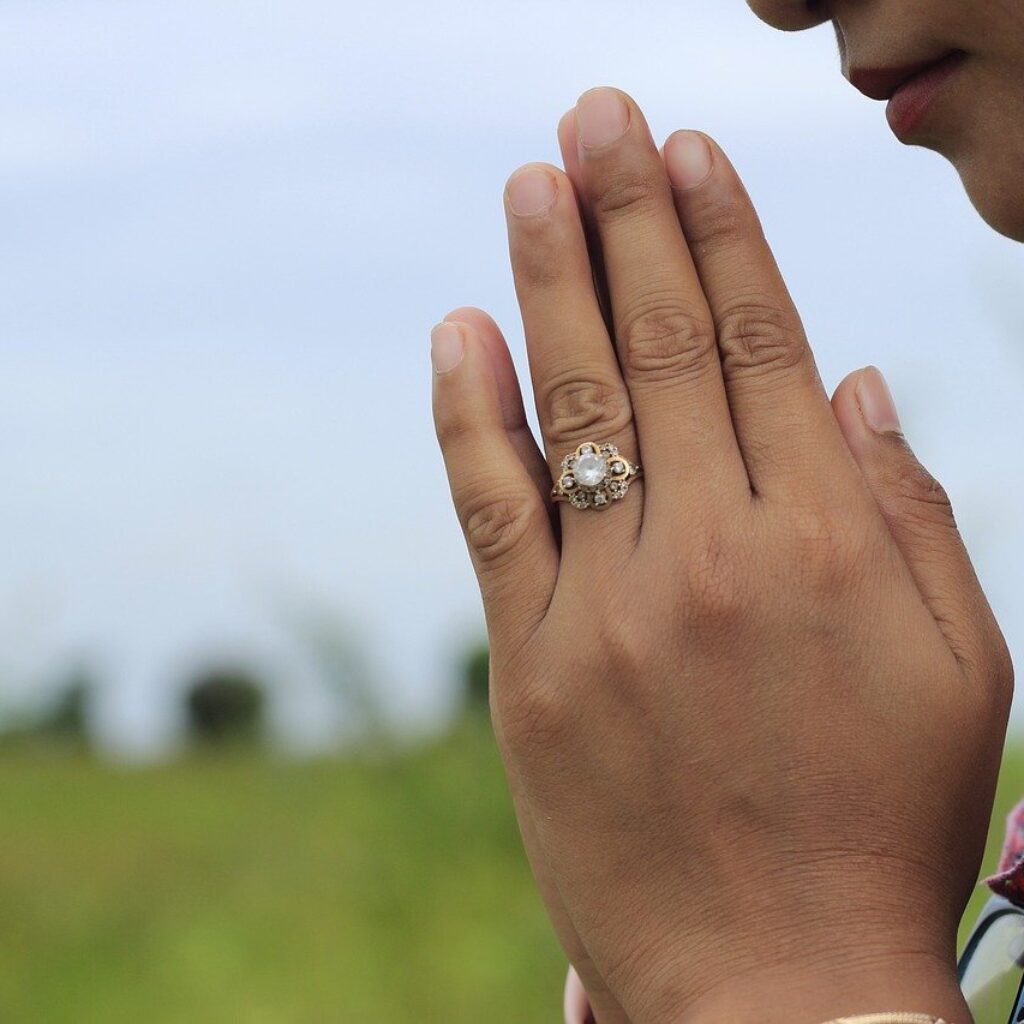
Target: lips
[[910, 89]]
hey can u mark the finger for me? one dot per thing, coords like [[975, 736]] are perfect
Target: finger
[[567, 145], [780, 410], [663, 328], [604, 1003], [920, 519], [570, 161], [514, 420], [504, 518], [510, 398], [576, 1003], [579, 390]]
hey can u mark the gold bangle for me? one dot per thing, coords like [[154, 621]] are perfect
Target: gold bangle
[[890, 1018]]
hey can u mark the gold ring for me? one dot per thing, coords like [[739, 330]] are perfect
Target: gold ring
[[594, 476]]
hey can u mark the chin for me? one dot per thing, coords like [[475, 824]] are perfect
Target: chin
[[995, 185]]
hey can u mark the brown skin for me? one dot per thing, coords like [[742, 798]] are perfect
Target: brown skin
[[752, 714], [978, 124]]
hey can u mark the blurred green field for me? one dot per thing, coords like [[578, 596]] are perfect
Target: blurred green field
[[243, 889], [259, 891]]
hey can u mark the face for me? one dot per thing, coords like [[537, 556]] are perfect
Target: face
[[952, 72]]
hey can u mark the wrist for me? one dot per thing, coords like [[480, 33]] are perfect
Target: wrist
[[918, 983]]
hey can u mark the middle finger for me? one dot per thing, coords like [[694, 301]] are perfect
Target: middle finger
[[663, 327]]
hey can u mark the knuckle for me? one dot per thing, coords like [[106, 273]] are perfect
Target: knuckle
[[624, 639], [719, 223], [1001, 670], [539, 270], [575, 407], [717, 595], [830, 546], [452, 424], [534, 716], [538, 256], [921, 494], [496, 524], [661, 340], [756, 335], [987, 663], [623, 194]]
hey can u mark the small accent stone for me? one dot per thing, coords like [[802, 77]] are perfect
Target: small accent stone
[[618, 467], [590, 469], [600, 498], [579, 500], [586, 449], [568, 483]]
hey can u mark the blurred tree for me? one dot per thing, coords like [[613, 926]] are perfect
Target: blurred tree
[[67, 718], [476, 667], [225, 706], [58, 714]]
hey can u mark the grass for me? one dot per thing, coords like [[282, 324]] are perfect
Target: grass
[[243, 889], [256, 891]]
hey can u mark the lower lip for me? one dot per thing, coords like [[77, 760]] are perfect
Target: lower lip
[[911, 102]]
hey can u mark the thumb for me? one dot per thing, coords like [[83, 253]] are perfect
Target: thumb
[[920, 518]]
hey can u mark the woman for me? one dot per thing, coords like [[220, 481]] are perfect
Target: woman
[[751, 698]]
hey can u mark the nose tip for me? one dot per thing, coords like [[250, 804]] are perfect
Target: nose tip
[[791, 15]]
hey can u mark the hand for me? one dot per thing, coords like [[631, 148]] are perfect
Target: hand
[[752, 713]]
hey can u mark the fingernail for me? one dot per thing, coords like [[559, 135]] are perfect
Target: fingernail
[[876, 403], [531, 192], [602, 116], [689, 160], [567, 123], [447, 347]]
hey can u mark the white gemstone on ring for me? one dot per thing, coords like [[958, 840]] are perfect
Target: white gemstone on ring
[[590, 469], [594, 476]]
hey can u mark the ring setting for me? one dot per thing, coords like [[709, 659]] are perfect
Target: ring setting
[[594, 476]]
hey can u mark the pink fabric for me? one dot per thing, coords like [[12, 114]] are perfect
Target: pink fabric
[[1008, 882], [577, 1006]]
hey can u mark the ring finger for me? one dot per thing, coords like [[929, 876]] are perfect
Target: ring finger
[[580, 394]]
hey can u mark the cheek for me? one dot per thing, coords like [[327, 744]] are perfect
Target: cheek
[[1005, 26], [989, 27]]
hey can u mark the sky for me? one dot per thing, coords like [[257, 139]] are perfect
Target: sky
[[225, 232]]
